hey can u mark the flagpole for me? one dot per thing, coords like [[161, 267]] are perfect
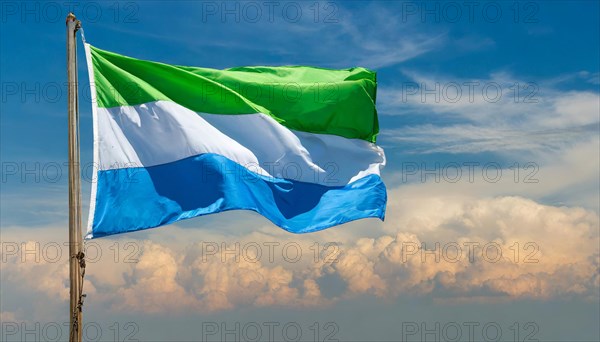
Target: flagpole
[[76, 260]]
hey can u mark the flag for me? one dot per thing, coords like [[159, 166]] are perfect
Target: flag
[[295, 144]]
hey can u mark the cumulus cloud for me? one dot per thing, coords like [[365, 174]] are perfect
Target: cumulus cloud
[[27, 266], [169, 278], [153, 286], [446, 247], [520, 248]]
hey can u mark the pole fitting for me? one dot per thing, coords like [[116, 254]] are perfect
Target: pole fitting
[[71, 18]]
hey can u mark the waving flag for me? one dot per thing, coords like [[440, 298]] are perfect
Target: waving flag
[[294, 144]]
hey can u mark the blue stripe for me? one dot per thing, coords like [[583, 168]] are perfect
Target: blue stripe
[[133, 199]]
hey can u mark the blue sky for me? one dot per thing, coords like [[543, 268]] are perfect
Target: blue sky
[[541, 132]]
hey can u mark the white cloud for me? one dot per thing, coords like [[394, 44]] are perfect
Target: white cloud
[[337, 36], [568, 176], [490, 114], [375, 38], [557, 256], [558, 250]]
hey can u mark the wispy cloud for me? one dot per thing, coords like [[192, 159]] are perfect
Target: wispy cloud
[[469, 138], [337, 37], [499, 114]]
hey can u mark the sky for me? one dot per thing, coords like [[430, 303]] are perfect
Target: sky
[[489, 117]]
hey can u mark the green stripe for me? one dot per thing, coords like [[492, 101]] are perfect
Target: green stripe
[[340, 102]]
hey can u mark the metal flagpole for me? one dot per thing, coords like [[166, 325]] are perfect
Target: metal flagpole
[[76, 257]]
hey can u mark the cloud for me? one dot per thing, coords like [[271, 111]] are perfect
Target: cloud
[[349, 41], [568, 176], [334, 35], [498, 114], [27, 267], [469, 138], [164, 280], [376, 37], [154, 286], [521, 249], [546, 251]]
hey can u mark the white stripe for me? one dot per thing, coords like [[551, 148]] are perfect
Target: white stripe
[[160, 132]]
